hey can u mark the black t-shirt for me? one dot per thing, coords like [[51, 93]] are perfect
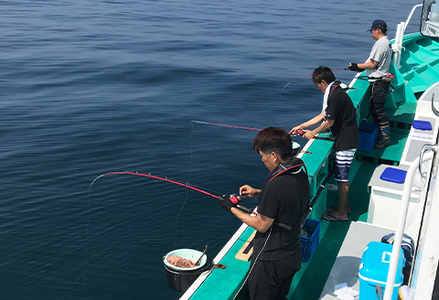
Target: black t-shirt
[[284, 198], [342, 111]]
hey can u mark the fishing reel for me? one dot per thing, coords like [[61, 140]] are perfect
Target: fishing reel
[[236, 199]]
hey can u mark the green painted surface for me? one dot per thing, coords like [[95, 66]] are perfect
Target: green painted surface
[[221, 284], [393, 152]]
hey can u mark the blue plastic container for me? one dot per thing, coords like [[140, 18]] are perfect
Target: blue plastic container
[[422, 125], [311, 240], [374, 267], [368, 137], [393, 175]]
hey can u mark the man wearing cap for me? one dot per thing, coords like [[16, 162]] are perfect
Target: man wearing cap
[[377, 66]]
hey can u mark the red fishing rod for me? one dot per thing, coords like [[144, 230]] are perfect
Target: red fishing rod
[[233, 198], [341, 69]]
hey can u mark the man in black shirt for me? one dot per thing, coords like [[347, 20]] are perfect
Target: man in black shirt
[[283, 200], [339, 115]]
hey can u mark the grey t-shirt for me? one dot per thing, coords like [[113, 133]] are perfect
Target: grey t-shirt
[[382, 53]]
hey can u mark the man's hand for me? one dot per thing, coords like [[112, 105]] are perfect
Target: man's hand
[[225, 203], [354, 67], [295, 130], [248, 191], [308, 134]]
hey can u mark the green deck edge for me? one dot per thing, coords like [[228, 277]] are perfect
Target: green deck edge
[[229, 279]]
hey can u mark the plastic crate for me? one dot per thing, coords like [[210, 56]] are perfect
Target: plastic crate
[[311, 241], [368, 137]]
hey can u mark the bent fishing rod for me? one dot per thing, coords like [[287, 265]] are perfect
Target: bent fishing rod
[[340, 69], [257, 129], [235, 199]]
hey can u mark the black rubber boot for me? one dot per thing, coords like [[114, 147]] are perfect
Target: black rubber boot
[[383, 137]]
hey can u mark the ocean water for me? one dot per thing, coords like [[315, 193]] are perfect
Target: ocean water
[[89, 87]]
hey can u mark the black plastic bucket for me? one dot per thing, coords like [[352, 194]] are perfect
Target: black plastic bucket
[[180, 279]]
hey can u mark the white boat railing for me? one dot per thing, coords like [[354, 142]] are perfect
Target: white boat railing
[[400, 30], [414, 167], [424, 266], [400, 229]]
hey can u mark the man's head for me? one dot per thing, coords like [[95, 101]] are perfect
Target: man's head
[[378, 25], [322, 77], [274, 145]]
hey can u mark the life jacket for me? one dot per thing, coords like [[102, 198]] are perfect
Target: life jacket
[[293, 167]]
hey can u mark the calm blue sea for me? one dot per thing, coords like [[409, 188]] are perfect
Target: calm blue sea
[[89, 87]]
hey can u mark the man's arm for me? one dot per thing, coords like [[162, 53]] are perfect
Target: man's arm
[[260, 223], [314, 121], [371, 64], [325, 126]]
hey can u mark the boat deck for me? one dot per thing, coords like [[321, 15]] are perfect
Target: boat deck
[[346, 265], [390, 155]]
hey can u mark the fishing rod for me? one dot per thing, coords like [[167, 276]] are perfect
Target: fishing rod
[[225, 125], [233, 198], [257, 129], [236, 200], [341, 69]]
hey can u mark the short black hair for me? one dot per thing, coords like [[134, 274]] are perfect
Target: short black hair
[[274, 139], [383, 30], [322, 73]]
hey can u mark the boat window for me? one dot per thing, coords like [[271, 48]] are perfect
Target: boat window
[[430, 18]]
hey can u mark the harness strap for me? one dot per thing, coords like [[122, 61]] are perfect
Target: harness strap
[[292, 167], [333, 88]]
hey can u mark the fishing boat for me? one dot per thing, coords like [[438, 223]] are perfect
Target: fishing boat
[[392, 191]]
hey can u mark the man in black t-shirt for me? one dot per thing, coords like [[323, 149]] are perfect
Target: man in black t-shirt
[[283, 201], [339, 115]]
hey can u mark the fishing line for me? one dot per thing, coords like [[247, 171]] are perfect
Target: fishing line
[[341, 69], [187, 193], [178, 216], [254, 263], [86, 246]]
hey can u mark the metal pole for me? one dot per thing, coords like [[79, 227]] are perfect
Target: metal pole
[[400, 229]]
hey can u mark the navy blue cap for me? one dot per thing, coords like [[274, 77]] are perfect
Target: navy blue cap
[[378, 24]]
